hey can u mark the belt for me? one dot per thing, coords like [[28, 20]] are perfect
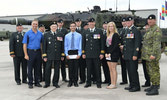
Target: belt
[[34, 49]]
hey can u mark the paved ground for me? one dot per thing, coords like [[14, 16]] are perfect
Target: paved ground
[[10, 91]]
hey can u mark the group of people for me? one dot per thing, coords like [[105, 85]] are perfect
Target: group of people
[[85, 50]]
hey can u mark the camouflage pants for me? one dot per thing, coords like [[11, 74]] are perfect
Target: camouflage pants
[[153, 71]]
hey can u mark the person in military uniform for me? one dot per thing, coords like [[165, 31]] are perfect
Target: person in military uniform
[[93, 52], [16, 52], [53, 52], [147, 77], [64, 31], [123, 64], [41, 28], [132, 43], [85, 26], [104, 61], [73, 51], [82, 62], [151, 52]]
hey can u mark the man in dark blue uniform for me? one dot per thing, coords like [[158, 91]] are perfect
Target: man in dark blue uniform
[[16, 52], [53, 52], [32, 43], [64, 31], [93, 52]]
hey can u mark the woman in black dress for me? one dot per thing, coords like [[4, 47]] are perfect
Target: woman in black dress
[[112, 53]]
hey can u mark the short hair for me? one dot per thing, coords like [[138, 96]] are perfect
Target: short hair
[[73, 23], [35, 20]]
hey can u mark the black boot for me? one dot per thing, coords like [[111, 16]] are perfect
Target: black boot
[[148, 89], [154, 90]]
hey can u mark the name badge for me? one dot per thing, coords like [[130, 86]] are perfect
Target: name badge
[[96, 36], [130, 36], [59, 38]]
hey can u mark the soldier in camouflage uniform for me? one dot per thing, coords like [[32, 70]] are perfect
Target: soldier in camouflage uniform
[[151, 52]]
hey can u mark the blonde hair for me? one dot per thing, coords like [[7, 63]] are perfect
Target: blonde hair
[[115, 28]]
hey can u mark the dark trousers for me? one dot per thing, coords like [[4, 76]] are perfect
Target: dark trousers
[[106, 70], [34, 62], [82, 68], [63, 69], [93, 64], [123, 69], [132, 67], [44, 66], [147, 77], [73, 65], [48, 70], [17, 62]]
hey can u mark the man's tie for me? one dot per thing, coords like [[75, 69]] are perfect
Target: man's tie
[[54, 33], [72, 41]]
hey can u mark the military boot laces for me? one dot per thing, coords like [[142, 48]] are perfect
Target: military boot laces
[[154, 91]]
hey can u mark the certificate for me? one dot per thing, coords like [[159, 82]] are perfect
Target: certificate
[[73, 56]]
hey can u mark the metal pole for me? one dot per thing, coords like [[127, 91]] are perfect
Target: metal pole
[[116, 5]]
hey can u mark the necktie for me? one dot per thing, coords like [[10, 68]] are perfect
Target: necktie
[[72, 41], [54, 33]]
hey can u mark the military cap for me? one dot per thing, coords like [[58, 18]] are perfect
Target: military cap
[[60, 21], [129, 18], [53, 23], [105, 22], [78, 19], [19, 24], [151, 16], [41, 25], [123, 19], [91, 20], [85, 24]]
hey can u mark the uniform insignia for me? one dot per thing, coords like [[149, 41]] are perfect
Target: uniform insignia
[[130, 35], [86, 39], [98, 36], [17, 40], [17, 37], [59, 38], [137, 49], [49, 38]]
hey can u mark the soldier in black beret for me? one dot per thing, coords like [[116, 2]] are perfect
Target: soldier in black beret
[[82, 62], [64, 31], [53, 52], [123, 65], [85, 26], [132, 43], [16, 52], [93, 52], [104, 61]]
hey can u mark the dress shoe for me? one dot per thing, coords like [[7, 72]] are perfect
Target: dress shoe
[[76, 84], [38, 85], [145, 85], [98, 86], [87, 85], [81, 82], [30, 86], [134, 89], [127, 88], [123, 83], [25, 82], [45, 86], [69, 84], [56, 85], [65, 80], [18, 83]]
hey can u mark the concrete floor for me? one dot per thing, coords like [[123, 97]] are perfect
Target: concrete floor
[[10, 91]]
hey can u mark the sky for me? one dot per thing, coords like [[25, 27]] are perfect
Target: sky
[[26, 7]]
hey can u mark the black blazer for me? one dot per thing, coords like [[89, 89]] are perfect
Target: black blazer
[[113, 49]]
